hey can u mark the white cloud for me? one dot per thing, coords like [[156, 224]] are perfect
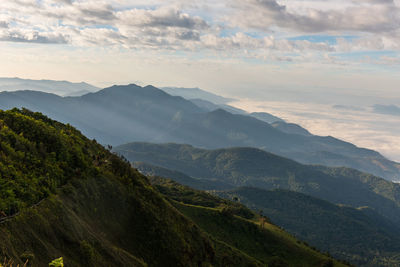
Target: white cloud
[[359, 126], [259, 29], [268, 13], [196, 25], [24, 36], [4, 24], [162, 18]]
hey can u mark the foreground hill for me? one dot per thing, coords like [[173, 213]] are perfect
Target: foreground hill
[[238, 167], [96, 210], [121, 114], [65, 195]]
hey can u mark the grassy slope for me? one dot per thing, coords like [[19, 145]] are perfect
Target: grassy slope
[[358, 235], [98, 211], [241, 227]]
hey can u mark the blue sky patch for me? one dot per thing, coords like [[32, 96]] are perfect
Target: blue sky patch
[[329, 39]]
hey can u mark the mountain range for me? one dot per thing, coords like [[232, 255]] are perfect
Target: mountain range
[[122, 114], [352, 215], [89, 196], [236, 167]]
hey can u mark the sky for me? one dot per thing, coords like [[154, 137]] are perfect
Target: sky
[[298, 58]]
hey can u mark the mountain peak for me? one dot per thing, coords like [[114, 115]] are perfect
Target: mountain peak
[[149, 89]]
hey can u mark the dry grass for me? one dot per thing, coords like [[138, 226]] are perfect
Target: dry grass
[[10, 263]]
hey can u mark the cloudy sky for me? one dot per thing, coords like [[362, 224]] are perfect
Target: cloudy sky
[[299, 53]]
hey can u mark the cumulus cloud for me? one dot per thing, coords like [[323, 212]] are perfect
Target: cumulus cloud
[[256, 28], [94, 11], [244, 41], [168, 17], [99, 23], [3, 24], [68, 2], [268, 13], [33, 37]]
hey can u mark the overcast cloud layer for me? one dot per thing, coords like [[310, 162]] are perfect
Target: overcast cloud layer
[[259, 26]]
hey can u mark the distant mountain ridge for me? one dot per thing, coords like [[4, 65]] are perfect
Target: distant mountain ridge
[[290, 128], [61, 88], [209, 106], [122, 114], [251, 167], [263, 116], [387, 109], [196, 93]]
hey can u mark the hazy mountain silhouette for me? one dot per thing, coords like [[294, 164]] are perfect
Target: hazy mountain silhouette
[[62, 88], [196, 93], [122, 114], [387, 109], [263, 116], [290, 128], [209, 106]]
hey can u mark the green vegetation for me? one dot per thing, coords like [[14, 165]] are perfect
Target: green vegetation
[[361, 227], [64, 195], [236, 167], [38, 155], [241, 228], [57, 262], [97, 210], [201, 184], [184, 194], [360, 236]]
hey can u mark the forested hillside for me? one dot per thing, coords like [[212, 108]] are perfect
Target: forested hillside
[[63, 195], [236, 167], [267, 242], [359, 223], [360, 236]]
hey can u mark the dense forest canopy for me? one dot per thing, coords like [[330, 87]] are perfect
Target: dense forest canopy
[[38, 155]]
